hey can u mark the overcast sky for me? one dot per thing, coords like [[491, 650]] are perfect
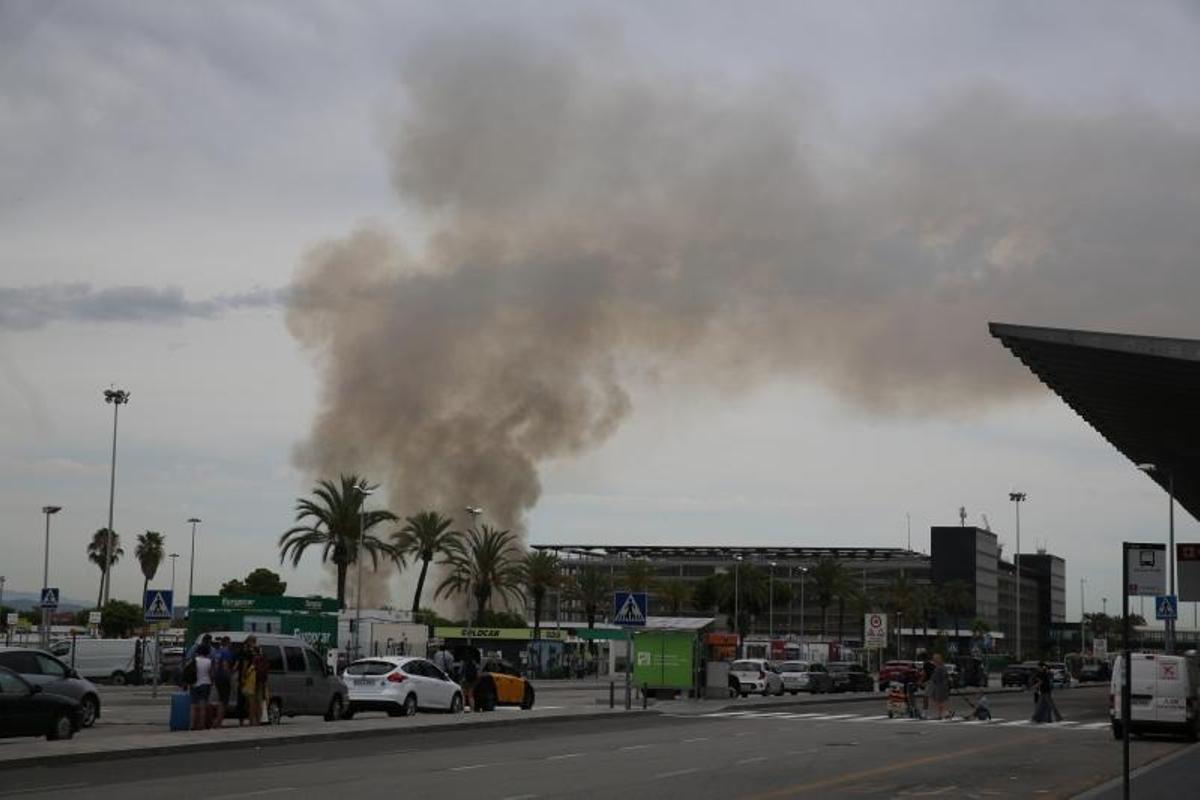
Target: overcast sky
[[165, 170]]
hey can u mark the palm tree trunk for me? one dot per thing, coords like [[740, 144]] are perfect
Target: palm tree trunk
[[420, 586], [341, 586], [145, 586], [537, 617], [100, 591]]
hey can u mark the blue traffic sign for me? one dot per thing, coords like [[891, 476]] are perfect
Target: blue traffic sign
[[50, 597], [158, 605], [630, 608], [1166, 606]]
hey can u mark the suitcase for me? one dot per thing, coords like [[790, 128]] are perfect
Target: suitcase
[[181, 711]]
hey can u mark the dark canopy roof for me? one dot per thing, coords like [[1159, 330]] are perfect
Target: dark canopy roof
[[1141, 393]]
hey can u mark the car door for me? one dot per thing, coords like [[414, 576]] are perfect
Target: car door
[[17, 713], [279, 683], [23, 663], [438, 688], [317, 682], [449, 687], [301, 682]]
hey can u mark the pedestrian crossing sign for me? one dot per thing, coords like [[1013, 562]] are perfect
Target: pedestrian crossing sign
[[629, 608], [159, 605], [1166, 606], [49, 597]]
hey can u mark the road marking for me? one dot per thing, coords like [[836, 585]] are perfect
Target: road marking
[[1015, 723], [677, 773], [832, 716], [803, 716], [697, 739], [868, 719], [754, 760], [744, 733], [519, 797], [55, 787], [287, 763], [259, 793], [564, 755], [634, 747], [466, 767]]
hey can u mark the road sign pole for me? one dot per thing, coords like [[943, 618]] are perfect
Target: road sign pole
[[1128, 661], [154, 691]]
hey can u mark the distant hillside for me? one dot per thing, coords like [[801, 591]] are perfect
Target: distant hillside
[[23, 600]]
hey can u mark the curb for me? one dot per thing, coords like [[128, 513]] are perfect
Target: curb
[[216, 745], [875, 697]]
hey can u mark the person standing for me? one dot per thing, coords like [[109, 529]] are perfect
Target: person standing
[[444, 659], [470, 674], [222, 672], [252, 679], [200, 686], [938, 689], [1046, 710]]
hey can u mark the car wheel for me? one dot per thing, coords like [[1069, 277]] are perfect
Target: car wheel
[[349, 712], [527, 698], [275, 711], [336, 710], [118, 678], [410, 706], [89, 707], [456, 704], [61, 727]]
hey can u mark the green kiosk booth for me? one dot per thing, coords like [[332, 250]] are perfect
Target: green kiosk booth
[[314, 619]]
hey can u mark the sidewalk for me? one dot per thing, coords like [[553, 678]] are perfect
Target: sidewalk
[[99, 744]]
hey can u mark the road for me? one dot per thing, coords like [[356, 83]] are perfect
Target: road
[[822, 750]]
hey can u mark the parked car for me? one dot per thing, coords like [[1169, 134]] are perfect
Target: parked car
[[1096, 671], [112, 660], [299, 684], [953, 675], [804, 676], [850, 676], [42, 669], [170, 660], [1018, 674], [899, 672], [972, 671], [28, 710], [400, 685], [501, 684], [755, 675], [1060, 678], [1164, 695]]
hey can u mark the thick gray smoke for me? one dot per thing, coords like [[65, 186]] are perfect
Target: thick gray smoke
[[587, 224]]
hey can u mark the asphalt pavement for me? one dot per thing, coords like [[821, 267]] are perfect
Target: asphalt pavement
[[743, 751]]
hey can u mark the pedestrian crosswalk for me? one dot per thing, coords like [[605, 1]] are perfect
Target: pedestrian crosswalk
[[884, 719]]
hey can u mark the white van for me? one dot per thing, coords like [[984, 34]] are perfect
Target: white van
[[1164, 695], [105, 659]]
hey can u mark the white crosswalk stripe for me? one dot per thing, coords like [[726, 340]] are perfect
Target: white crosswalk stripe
[[995, 722]]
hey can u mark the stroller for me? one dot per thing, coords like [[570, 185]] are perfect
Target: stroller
[[979, 708], [901, 700]]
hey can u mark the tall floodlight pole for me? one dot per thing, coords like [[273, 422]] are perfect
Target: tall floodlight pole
[[363, 492], [173, 556], [118, 398], [45, 628], [1148, 468], [1082, 637], [192, 561], [737, 619], [771, 602], [474, 512], [803, 572], [1017, 498]]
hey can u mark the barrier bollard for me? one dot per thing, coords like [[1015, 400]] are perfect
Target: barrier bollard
[[612, 694], [643, 697]]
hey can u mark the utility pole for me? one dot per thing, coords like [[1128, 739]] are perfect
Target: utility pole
[[45, 631], [192, 562], [1082, 636], [118, 398], [364, 492], [1017, 498]]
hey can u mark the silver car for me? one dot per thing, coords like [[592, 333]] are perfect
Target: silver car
[[42, 669]]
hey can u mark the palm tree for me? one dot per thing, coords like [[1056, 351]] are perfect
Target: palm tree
[[674, 593], [589, 588], [957, 597], [540, 573], [830, 579], [332, 522], [482, 563], [900, 601], [424, 537], [639, 575], [95, 553], [149, 553]]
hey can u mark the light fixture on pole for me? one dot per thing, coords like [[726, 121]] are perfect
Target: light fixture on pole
[[45, 627], [474, 511], [192, 562], [1017, 498], [363, 491], [118, 398], [173, 556], [1104, 605], [1148, 468]]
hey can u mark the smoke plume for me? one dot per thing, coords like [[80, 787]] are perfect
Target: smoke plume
[[587, 223]]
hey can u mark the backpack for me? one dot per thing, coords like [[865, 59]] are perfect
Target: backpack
[[189, 672]]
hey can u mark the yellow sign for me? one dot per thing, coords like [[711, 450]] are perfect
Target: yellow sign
[[498, 634]]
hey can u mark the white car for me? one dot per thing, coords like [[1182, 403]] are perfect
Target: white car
[[400, 685], [805, 676], [755, 675]]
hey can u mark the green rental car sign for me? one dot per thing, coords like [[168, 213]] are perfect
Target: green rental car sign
[[664, 659]]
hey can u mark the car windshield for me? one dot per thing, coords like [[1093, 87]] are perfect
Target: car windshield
[[370, 668], [793, 666], [745, 666], [835, 667]]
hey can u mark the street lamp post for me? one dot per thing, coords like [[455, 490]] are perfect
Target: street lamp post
[[737, 618], [1148, 468], [118, 398], [1082, 636], [45, 628], [173, 556], [1104, 605], [1017, 498], [803, 572], [771, 602], [192, 562], [364, 492], [474, 511]]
